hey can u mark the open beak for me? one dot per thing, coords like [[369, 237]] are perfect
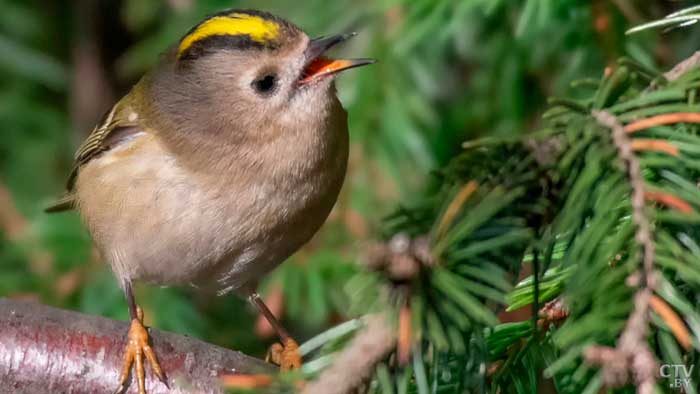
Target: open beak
[[318, 66]]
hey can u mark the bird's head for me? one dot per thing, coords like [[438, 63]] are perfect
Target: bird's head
[[242, 71]]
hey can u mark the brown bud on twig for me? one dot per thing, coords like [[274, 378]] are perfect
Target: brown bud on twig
[[401, 258]]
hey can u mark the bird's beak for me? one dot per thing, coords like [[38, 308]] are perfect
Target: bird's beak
[[318, 66]]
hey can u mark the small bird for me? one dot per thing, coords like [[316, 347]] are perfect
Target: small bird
[[218, 165]]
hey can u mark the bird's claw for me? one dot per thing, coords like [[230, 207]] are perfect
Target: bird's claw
[[137, 348], [287, 356]]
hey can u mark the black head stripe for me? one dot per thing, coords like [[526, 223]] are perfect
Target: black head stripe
[[216, 43]]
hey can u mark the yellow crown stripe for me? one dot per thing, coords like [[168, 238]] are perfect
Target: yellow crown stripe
[[257, 28]]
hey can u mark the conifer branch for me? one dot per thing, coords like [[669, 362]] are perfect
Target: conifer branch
[[683, 67], [357, 361], [632, 353]]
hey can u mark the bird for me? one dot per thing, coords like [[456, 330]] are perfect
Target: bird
[[222, 161]]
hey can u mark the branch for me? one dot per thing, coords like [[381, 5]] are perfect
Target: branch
[[632, 353], [356, 362], [683, 67], [48, 350]]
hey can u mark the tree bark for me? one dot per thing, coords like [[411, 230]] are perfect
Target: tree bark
[[48, 350]]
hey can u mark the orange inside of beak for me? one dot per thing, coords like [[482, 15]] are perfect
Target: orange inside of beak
[[324, 66]]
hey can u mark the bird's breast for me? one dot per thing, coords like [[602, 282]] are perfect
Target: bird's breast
[[159, 221]]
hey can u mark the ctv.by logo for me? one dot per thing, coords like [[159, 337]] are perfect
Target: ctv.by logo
[[677, 374]]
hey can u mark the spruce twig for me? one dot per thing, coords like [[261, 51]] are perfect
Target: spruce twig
[[632, 353], [356, 362], [683, 67]]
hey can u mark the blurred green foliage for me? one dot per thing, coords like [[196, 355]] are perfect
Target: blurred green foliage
[[447, 71]]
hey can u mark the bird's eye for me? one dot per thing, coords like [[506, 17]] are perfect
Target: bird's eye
[[265, 84]]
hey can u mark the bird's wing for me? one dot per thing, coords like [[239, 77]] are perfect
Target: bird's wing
[[116, 126]]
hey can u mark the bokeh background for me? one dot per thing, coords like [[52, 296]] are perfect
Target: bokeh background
[[448, 70]]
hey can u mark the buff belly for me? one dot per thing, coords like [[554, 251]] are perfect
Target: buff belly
[[153, 221]]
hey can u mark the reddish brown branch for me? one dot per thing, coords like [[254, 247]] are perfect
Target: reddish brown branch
[[48, 350]]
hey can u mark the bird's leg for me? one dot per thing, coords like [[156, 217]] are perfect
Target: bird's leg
[[287, 354], [137, 348]]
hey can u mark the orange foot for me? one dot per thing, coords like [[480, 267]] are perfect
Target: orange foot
[[136, 349], [287, 356]]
